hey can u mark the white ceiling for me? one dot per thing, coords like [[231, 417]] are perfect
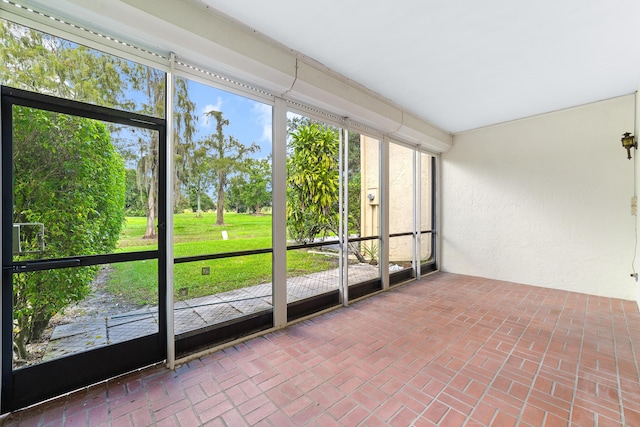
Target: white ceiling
[[463, 64]]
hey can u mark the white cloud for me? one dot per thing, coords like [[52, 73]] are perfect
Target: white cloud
[[264, 116], [205, 120]]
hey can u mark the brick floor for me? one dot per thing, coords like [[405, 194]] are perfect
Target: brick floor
[[448, 350]]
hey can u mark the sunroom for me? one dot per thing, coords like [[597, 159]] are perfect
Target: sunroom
[[181, 176]]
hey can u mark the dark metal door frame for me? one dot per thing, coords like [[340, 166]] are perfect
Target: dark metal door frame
[[31, 384]]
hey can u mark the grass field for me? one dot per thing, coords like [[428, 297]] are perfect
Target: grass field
[[137, 281]]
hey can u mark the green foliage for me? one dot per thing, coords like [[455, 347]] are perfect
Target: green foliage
[[312, 182], [200, 202], [134, 202], [354, 184], [152, 83], [250, 188], [69, 177], [39, 62], [355, 219], [234, 199], [200, 175], [370, 250]]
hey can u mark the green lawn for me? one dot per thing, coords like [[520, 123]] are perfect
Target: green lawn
[[137, 281], [188, 228]]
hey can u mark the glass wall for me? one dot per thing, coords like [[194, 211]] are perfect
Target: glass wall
[[313, 217], [401, 208], [222, 215], [363, 203]]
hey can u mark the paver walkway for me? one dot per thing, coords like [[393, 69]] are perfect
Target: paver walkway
[[194, 313]]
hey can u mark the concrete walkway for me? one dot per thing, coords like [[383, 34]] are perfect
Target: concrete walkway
[[194, 313]]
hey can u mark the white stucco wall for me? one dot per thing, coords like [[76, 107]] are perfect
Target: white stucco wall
[[544, 201], [637, 190]]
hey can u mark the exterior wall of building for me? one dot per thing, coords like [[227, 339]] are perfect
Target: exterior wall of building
[[544, 201], [370, 185], [401, 197]]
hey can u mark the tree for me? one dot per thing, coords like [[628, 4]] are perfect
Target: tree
[[184, 128], [42, 63], [251, 186], [69, 177], [257, 191], [227, 154], [200, 174], [353, 178], [134, 203], [46, 64], [312, 182], [234, 198], [152, 83], [204, 202]]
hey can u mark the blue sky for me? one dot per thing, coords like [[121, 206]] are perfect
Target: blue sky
[[249, 120]]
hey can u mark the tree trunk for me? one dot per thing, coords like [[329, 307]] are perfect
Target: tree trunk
[[220, 208], [198, 197], [220, 201], [38, 327], [20, 339], [29, 330], [356, 251], [151, 214]]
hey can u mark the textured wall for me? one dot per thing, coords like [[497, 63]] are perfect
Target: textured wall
[[544, 201], [637, 190]]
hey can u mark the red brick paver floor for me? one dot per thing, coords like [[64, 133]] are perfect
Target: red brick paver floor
[[448, 350]]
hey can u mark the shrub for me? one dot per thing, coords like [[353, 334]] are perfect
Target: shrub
[[312, 182], [69, 177]]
